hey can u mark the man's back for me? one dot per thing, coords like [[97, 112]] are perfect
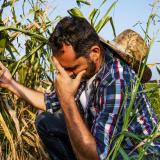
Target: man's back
[[108, 103]]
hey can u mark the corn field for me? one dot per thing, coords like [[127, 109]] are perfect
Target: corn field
[[24, 51]]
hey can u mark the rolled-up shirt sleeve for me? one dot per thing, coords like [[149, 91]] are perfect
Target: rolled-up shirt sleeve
[[51, 102], [110, 100]]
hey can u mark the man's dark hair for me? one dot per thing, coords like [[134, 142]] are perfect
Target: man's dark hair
[[75, 31]]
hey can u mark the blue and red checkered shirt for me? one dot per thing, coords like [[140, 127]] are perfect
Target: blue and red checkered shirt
[[109, 98]]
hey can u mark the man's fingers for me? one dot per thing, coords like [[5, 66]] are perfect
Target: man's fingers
[[1, 66], [2, 69], [59, 67], [80, 74], [2, 72]]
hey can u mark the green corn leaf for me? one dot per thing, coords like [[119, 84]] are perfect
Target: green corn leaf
[[92, 15], [42, 38], [12, 49], [95, 13], [83, 1], [102, 23], [23, 6], [75, 12], [79, 4], [113, 28], [14, 15], [105, 18], [102, 4], [132, 135], [22, 73], [2, 45], [3, 40], [24, 58], [31, 11], [124, 154], [6, 4], [158, 70]]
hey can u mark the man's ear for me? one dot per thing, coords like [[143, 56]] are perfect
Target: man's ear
[[95, 53]]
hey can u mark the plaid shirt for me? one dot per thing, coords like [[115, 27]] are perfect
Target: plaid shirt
[[106, 107]]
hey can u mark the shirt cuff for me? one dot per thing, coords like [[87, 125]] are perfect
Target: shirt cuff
[[51, 102]]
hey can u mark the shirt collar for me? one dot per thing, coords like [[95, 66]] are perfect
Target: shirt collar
[[105, 68]]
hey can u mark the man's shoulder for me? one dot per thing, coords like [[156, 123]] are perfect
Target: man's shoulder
[[119, 70]]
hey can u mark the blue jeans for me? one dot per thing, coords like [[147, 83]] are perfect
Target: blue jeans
[[53, 133]]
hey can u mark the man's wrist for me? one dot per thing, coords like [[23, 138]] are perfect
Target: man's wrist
[[68, 102], [11, 84]]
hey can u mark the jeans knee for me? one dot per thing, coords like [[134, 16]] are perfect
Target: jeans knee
[[51, 124], [40, 119]]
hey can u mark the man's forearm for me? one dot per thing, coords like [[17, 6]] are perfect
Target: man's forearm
[[34, 98], [82, 140]]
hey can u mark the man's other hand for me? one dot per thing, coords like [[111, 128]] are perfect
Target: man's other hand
[[5, 76]]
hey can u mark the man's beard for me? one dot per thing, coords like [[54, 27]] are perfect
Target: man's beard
[[91, 70]]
